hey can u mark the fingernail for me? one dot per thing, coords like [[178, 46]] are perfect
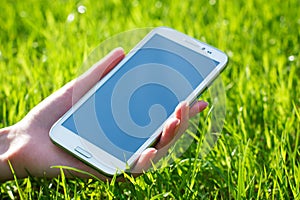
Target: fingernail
[[183, 103], [202, 105], [186, 104]]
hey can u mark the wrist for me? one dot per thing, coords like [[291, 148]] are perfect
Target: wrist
[[10, 145], [5, 151]]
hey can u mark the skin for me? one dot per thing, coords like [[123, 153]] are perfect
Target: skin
[[29, 149]]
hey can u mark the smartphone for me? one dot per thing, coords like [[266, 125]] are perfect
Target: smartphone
[[124, 113]]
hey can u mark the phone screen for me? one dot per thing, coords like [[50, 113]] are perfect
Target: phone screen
[[136, 100]]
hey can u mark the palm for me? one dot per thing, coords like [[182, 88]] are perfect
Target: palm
[[35, 151]]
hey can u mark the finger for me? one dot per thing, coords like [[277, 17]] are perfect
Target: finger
[[182, 113], [168, 133], [197, 107], [172, 125], [145, 161], [170, 128]]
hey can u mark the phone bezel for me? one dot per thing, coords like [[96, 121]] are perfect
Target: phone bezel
[[102, 160]]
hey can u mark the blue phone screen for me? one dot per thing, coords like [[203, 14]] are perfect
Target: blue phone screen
[[133, 103]]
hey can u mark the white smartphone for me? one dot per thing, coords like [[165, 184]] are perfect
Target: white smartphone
[[124, 113]]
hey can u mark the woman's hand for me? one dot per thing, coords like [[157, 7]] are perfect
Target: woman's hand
[[29, 149]]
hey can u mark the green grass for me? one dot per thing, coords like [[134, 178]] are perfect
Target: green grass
[[258, 154]]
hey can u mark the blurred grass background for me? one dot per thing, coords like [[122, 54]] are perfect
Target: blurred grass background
[[43, 43]]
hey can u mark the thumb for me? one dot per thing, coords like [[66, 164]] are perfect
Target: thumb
[[55, 105], [87, 80]]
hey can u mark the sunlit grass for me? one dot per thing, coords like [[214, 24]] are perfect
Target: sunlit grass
[[43, 44]]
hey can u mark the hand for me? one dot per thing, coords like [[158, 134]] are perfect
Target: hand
[[27, 144]]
